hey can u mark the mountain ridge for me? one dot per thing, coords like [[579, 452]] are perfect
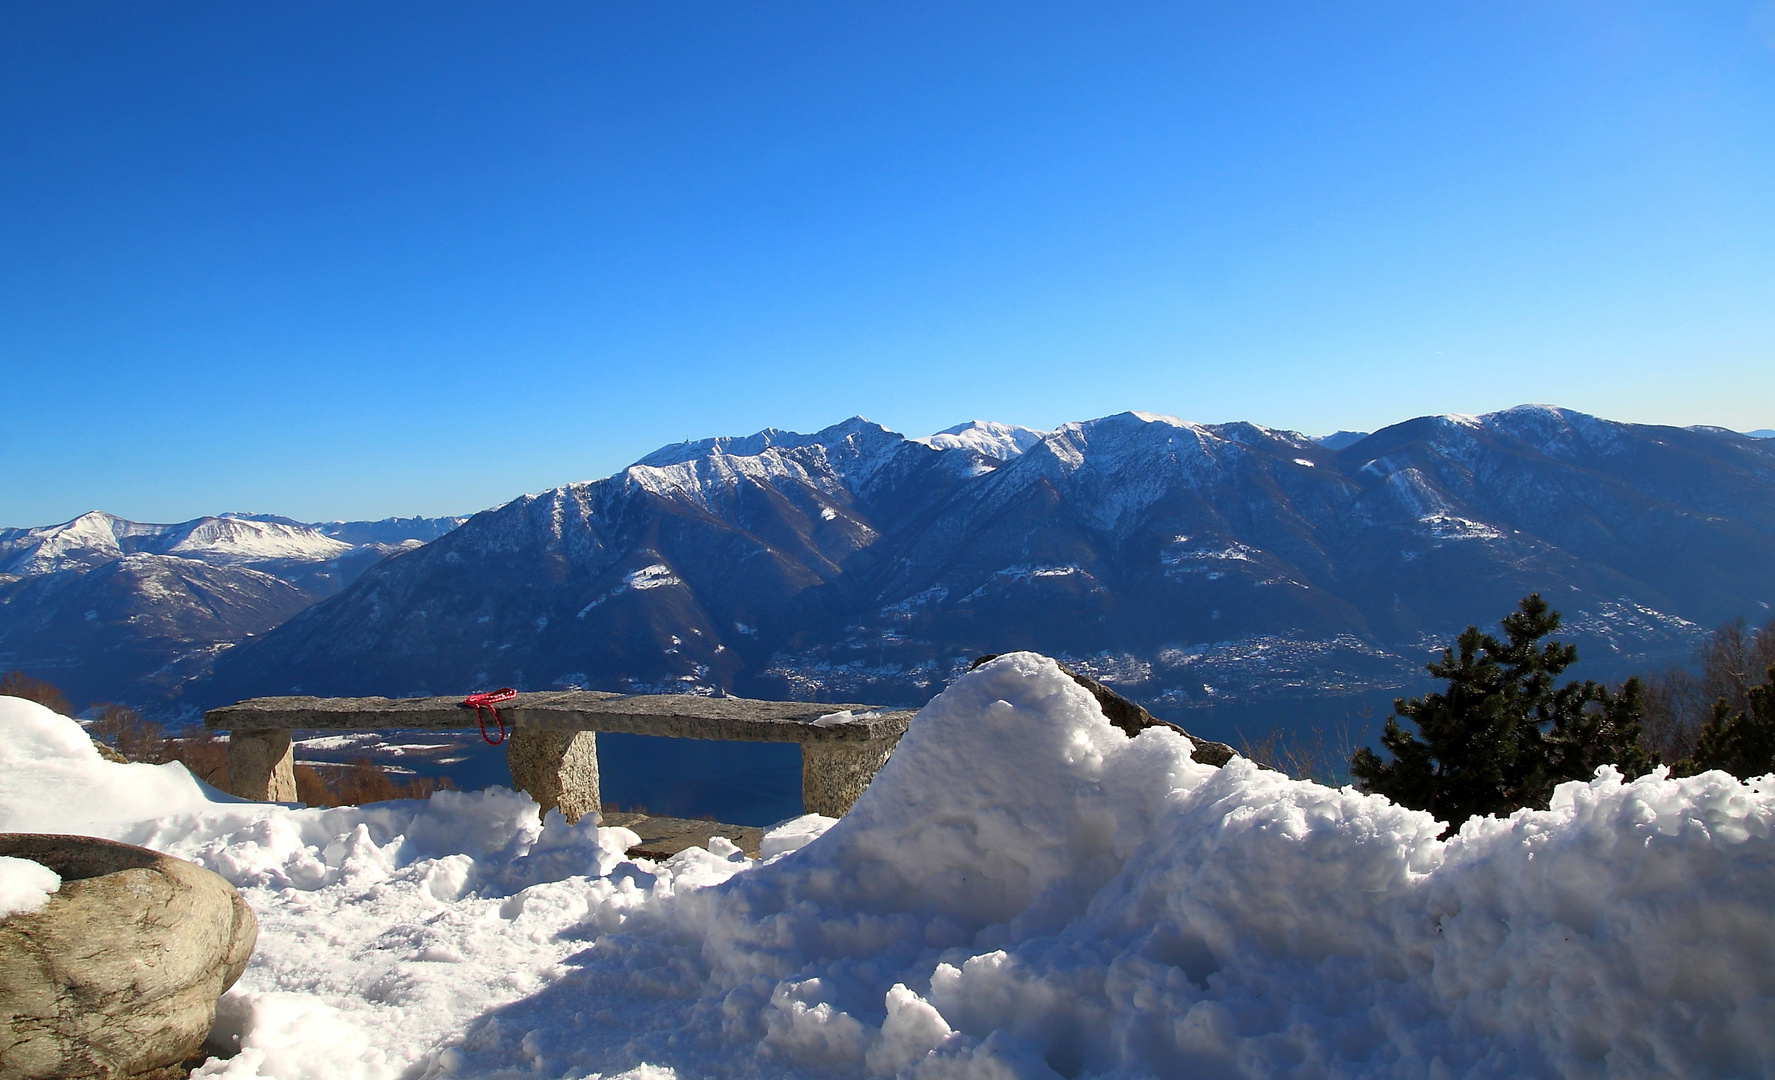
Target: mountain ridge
[[125, 610], [1192, 563]]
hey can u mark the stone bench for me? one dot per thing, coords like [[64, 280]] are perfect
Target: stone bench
[[552, 746]]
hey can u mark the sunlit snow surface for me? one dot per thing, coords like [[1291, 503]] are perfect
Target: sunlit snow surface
[[1022, 892], [25, 886], [1002, 441]]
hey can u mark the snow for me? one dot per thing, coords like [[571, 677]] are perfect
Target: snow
[[1022, 892], [1159, 418], [235, 540], [1444, 526], [96, 538], [1116, 468], [995, 440], [653, 576], [1561, 434], [25, 886], [1214, 562], [831, 460], [795, 834], [88, 540], [704, 481], [1023, 573], [728, 445]]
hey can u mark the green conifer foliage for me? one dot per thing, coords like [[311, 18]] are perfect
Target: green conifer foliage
[[1502, 735], [1742, 744]]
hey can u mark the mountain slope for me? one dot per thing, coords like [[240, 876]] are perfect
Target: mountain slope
[[1191, 564], [116, 609], [668, 576]]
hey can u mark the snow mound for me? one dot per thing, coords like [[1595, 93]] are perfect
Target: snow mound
[[1022, 892], [53, 780]]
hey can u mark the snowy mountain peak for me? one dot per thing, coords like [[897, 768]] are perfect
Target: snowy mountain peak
[[845, 431], [1546, 416], [1248, 434], [1158, 418], [1110, 434], [96, 538], [1116, 467], [730, 445], [390, 531], [148, 607], [833, 459], [701, 479], [1557, 432], [92, 538], [1337, 440], [857, 441], [988, 437], [237, 540]]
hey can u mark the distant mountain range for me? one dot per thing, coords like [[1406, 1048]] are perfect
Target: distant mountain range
[[1190, 565], [111, 609]]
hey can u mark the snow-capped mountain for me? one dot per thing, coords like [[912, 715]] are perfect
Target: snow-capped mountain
[[96, 538], [112, 608], [1188, 563], [1002, 441], [391, 531]]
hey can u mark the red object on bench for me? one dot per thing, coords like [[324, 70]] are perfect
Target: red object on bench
[[487, 701]]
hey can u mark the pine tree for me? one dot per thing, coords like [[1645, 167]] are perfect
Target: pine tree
[[1742, 743], [1502, 735]]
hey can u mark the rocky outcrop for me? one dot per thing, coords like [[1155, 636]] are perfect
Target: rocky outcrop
[[118, 974], [109, 752]]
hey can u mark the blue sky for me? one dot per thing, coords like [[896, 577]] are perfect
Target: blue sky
[[361, 260]]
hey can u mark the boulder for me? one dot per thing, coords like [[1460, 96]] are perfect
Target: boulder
[[118, 974]]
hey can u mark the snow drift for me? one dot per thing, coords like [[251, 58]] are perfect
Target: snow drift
[[1022, 892]]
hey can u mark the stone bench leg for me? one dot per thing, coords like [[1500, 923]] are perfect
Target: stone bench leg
[[262, 765], [834, 773], [559, 769]]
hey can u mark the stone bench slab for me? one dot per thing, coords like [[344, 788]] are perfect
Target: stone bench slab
[[679, 716]]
